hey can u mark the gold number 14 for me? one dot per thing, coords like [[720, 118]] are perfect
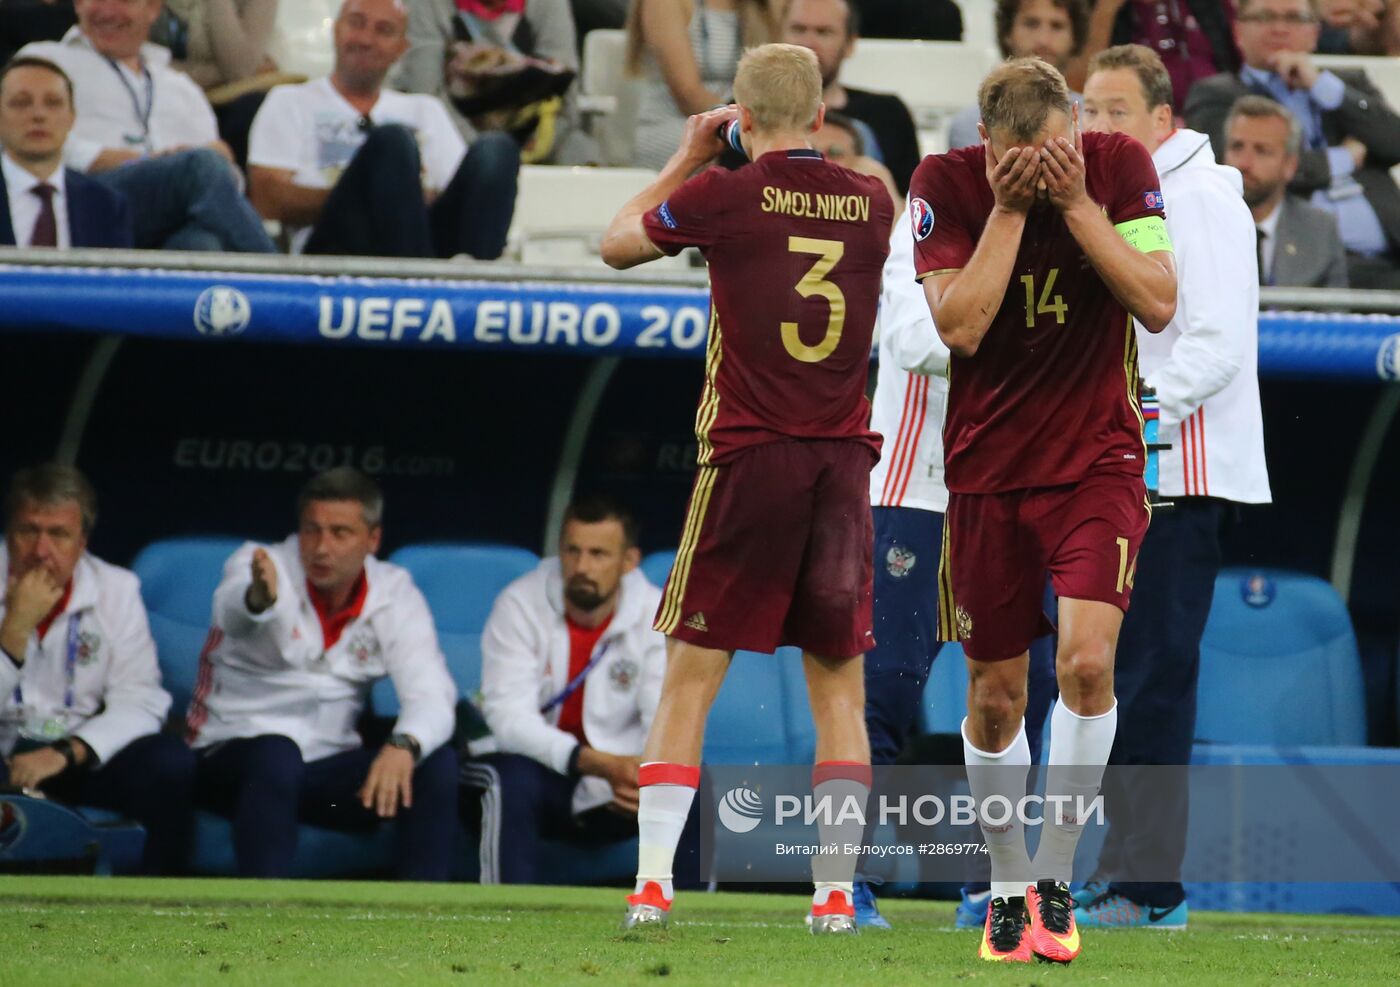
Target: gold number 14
[[1046, 305]]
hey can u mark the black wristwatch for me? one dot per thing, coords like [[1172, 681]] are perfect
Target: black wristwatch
[[65, 747], [406, 742]]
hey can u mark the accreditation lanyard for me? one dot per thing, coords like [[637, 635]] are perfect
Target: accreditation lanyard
[[70, 666], [143, 113], [576, 681]]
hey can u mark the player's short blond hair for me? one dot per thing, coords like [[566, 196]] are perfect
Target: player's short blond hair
[[1019, 95], [781, 85]]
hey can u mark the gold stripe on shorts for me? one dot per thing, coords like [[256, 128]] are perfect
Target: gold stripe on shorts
[[947, 620], [670, 614]]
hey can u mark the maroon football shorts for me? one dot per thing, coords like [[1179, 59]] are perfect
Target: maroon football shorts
[[997, 549], [776, 550]]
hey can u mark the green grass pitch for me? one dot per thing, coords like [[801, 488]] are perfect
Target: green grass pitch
[[57, 932]]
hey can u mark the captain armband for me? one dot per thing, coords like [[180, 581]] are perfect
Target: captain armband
[[1145, 234]]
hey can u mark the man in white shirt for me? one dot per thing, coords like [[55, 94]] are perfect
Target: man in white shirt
[[81, 707], [301, 632], [571, 674], [354, 168], [1299, 244], [1204, 368], [146, 131]]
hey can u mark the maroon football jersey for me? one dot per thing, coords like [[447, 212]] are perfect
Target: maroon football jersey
[[795, 246], [1052, 392]]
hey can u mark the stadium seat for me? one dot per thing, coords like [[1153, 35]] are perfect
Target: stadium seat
[[607, 96], [301, 42], [561, 213], [934, 78], [1279, 663], [945, 693], [178, 578], [460, 583]]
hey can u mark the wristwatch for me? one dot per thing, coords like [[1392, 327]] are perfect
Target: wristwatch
[[406, 742], [65, 747]]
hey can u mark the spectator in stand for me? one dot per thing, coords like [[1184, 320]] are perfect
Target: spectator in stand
[[1192, 37], [222, 45], [48, 205], [81, 705], [571, 675], [686, 52], [301, 631], [23, 21], [839, 139], [918, 20], [1052, 30], [146, 131], [1359, 27], [830, 29], [1299, 245], [351, 167], [469, 44], [1351, 137]]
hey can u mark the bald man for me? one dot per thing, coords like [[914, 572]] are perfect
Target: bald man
[[351, 167]]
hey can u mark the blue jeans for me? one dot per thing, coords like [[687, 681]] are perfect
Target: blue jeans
[[149, 780], [266, 788], [188, 201], [377, 208]]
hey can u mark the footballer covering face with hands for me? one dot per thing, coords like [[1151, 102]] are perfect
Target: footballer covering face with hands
[[1036, 250]]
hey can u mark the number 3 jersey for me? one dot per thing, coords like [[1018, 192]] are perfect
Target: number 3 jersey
[[795, 246], [1052, 393]]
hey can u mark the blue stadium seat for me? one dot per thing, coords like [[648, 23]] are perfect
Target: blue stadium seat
[[1279, 663], [945, 693], [460, 583], [657, 566], [178, 579]]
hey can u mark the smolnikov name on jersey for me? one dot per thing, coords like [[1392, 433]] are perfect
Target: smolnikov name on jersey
[[817, 205]]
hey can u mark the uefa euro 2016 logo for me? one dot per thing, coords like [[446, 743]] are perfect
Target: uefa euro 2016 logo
[[920, 218], [222, 311], [741, 810]]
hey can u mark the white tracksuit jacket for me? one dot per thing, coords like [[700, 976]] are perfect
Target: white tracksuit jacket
[[525, 664], [1205, 364], [270, 672], [117, 696]]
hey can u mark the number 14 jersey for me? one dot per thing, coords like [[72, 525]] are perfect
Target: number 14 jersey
[[795, 246], [1052, 393]]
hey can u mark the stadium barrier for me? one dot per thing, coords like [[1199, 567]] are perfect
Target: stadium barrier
[[474, 306]]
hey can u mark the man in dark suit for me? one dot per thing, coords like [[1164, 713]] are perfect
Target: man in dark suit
[[47, 205], [1299, 245], [1350, 136]]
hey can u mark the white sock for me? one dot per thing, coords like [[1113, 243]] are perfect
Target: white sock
[[662, 809], [1079, 749], [991, 774], [847, 787]]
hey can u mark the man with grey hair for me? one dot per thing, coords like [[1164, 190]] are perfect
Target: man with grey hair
[[1298, 243], [301, 630], [81, 705]]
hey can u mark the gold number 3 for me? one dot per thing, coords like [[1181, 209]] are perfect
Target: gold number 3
[[814, 282]]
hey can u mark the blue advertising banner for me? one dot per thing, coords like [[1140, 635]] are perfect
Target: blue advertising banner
[[519, 316]]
